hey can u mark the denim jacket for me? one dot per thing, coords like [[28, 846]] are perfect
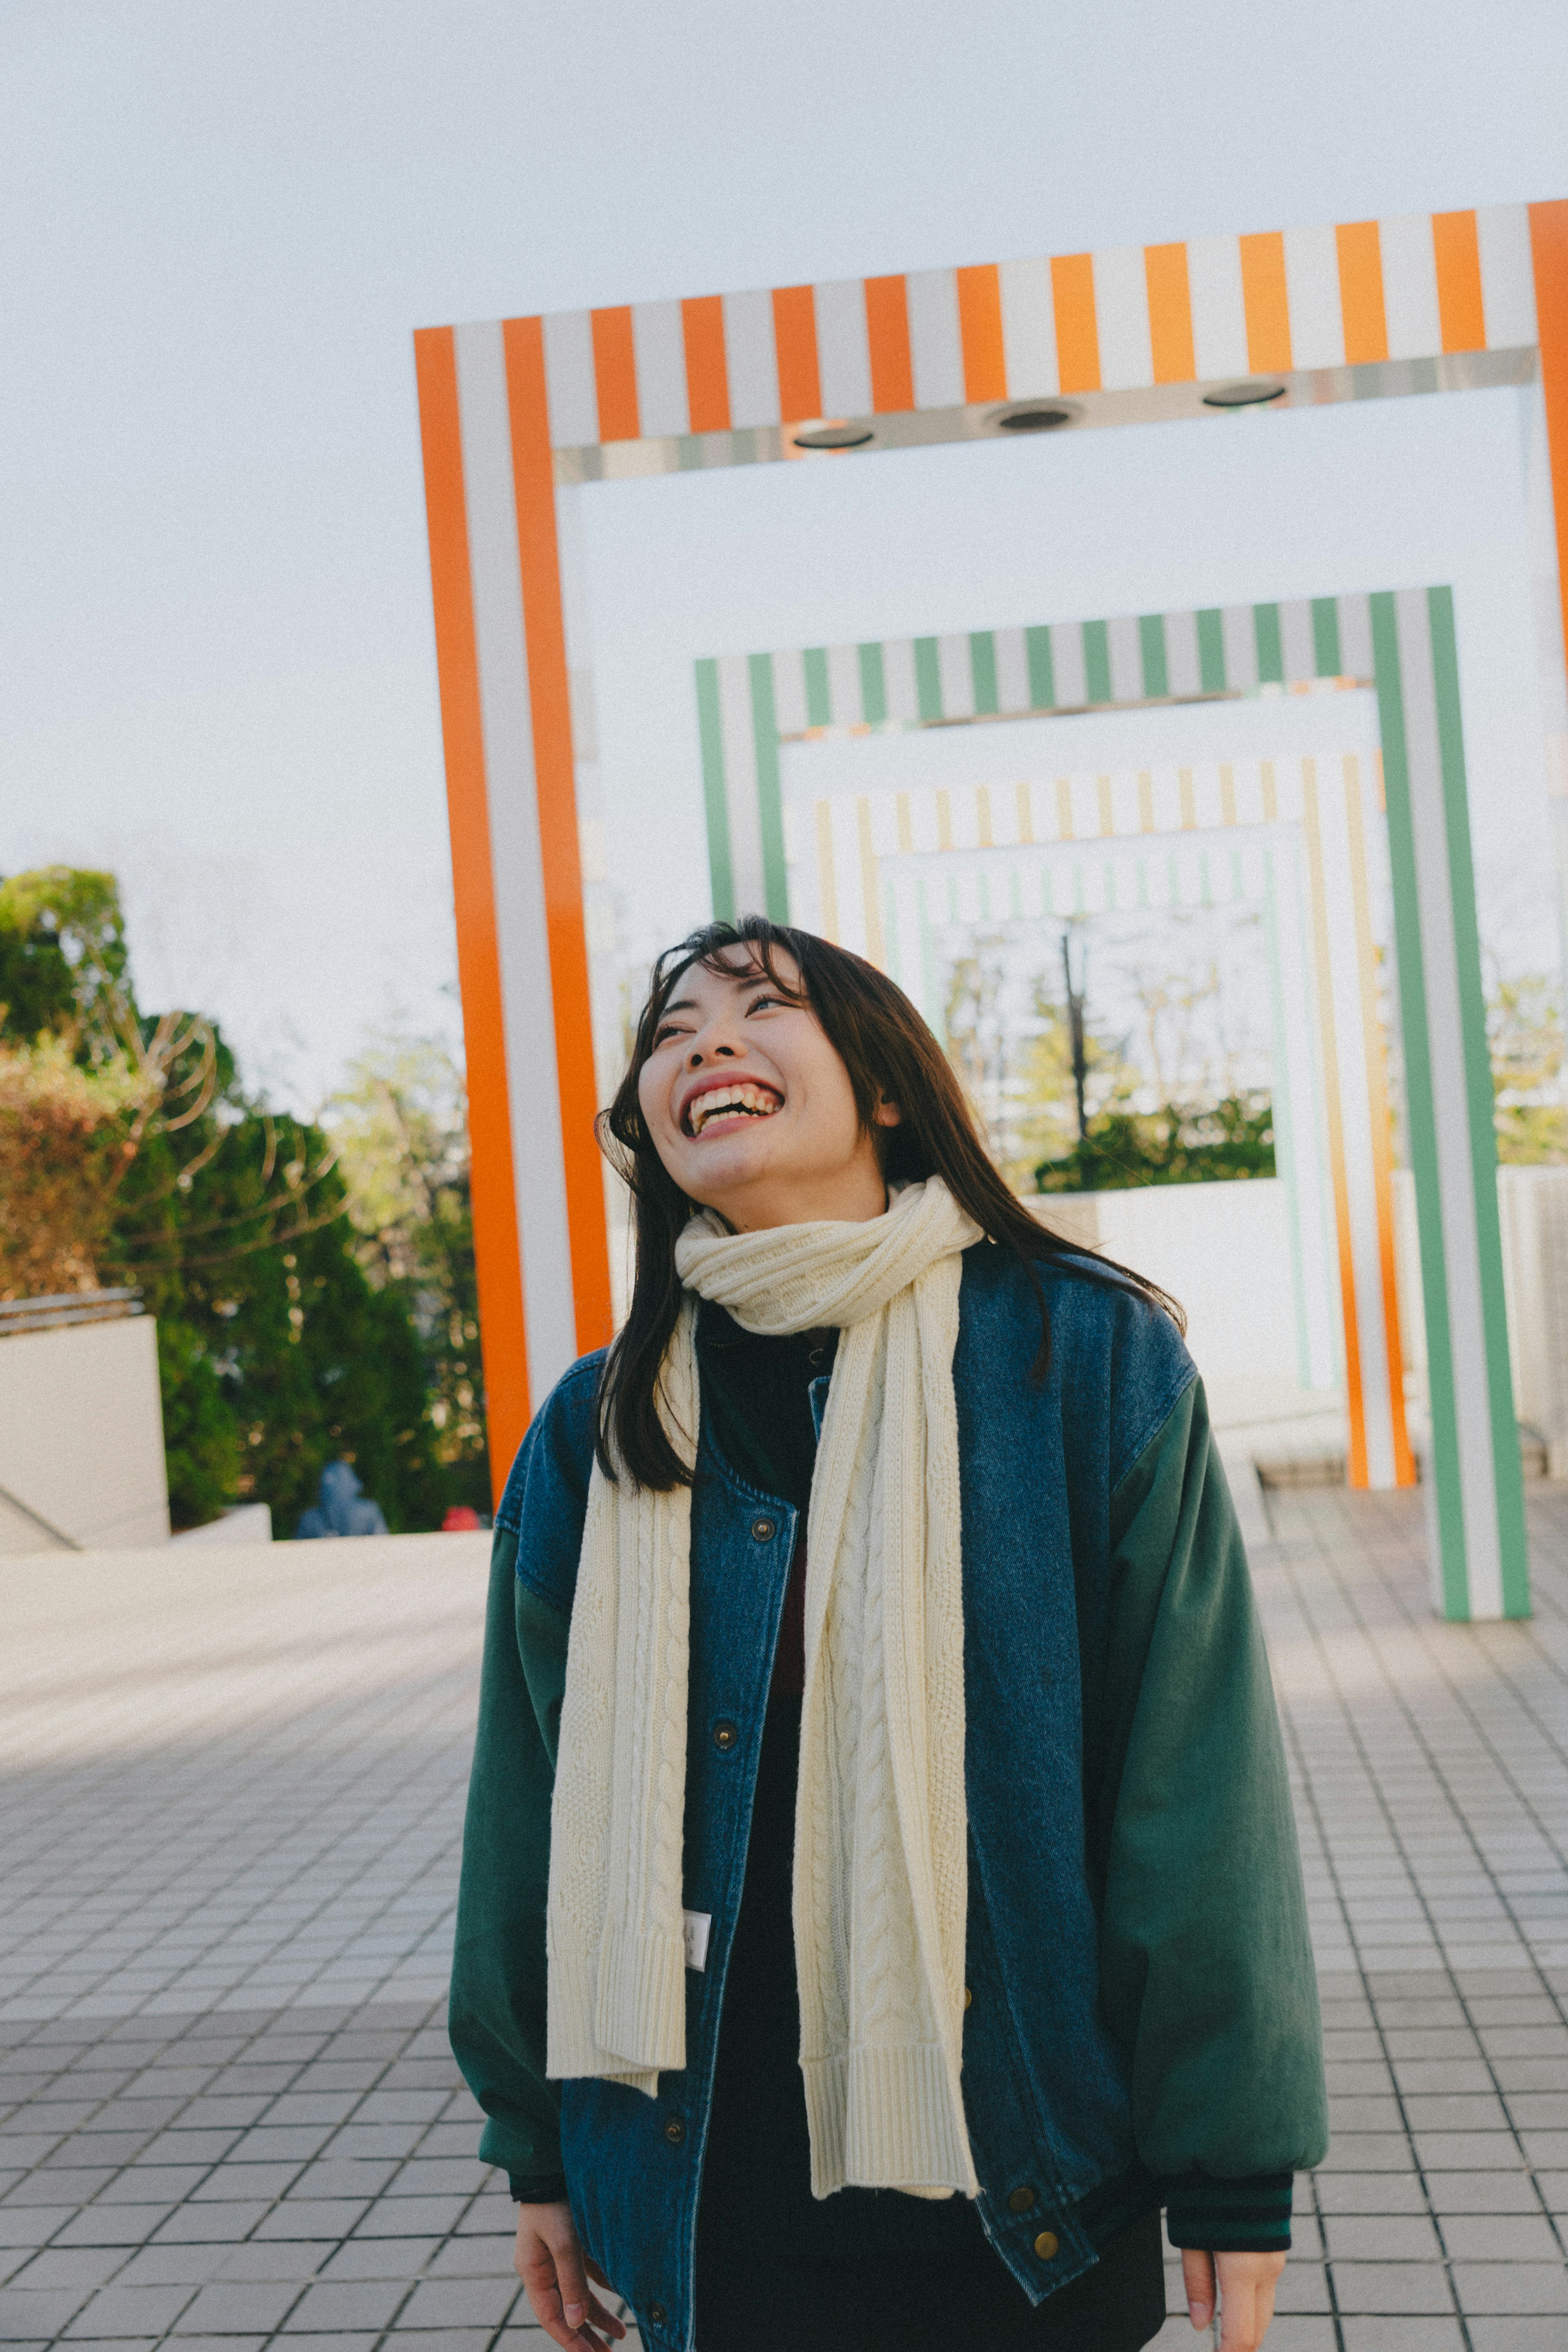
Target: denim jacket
[[1143, 2021]]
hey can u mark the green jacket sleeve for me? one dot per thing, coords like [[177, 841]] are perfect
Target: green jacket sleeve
[[497, 2006], [1206, 1961]]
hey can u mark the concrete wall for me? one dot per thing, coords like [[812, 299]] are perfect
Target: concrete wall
[[81, 1438], [1223, 1250]]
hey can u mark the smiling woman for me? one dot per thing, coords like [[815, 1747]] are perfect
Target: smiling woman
[[878, 1791]]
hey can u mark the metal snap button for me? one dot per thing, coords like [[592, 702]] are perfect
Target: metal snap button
[[1020, 2200], [763, 1530], [725, 1736], [968, 1998], [1045, 2245], [674, 2131], [657, 2314]]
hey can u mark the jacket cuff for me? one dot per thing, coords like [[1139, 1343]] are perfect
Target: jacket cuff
[[1229, 2217], [538, 2187]]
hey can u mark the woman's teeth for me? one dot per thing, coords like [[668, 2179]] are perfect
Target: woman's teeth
[[757, 1101]]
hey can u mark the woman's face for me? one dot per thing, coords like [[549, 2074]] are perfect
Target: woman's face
[[750, 1108]]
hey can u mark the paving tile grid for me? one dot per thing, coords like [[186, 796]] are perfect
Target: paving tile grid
[[230, 1807]]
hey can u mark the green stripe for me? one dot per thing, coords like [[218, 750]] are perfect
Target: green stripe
[[1041, 669], [928, 677], [1097, 661], [983, 670], [1211, 651], [770, 799], [873, 685], [1443, 1467], [1271, 651], [1325, 635], [1479, 1103], [819, 701], [1152, 645], [710, 734]]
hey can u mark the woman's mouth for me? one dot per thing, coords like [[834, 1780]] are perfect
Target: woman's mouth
[[745, 1102]]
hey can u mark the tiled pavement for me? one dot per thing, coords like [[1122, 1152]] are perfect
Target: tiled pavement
[[230, 1802]]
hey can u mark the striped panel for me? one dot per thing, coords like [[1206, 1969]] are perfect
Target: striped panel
[[1029, 329], [888, 346], [1126, 317], [658, 344], [751, 357], [549, 692], [795, 343], [1480, 1567], [843, 353], [531, 1069], [502, 1315], [980, 298], [1122, 320], [708, 367], [1316, 317], [936, 350]]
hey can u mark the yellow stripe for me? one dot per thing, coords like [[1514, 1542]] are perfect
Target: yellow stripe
[[827, 880], [869, 891]]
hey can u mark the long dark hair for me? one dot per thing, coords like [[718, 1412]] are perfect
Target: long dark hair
[[890, 1052]]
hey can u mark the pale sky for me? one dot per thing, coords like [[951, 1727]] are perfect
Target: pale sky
[[216, 670]]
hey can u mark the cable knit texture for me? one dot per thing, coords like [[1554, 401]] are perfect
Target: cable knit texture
[[881, 1833]]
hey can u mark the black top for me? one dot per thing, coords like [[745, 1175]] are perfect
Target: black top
[[757, 2172]]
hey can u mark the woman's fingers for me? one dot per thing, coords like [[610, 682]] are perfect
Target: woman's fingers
[[1247, 2284], [554, 2270], [1198, 2279]]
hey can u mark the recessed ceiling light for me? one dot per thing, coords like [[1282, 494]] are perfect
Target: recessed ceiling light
[[1034, 416], [833, 437], [1243, 395]]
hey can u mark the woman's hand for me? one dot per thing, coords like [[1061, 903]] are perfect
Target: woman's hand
[[1247, 2284], [553, 2267]]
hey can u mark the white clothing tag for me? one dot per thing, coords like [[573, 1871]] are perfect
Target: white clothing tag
[[696, 1925]]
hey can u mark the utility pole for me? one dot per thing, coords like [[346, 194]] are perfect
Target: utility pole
[[1075, 1024]]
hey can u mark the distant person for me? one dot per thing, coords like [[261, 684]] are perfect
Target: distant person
[[341, 1507], [854, 1954]]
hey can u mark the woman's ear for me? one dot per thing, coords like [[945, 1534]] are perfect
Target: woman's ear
[[887, 1113]]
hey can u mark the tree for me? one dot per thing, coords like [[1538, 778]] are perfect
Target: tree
[[131, 1152], [1230, 1139], [1524, 1032], [63, 957], [401, 1128]]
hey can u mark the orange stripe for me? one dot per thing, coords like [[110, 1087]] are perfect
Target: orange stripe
[[1549, 253], [1378, 1104], [707, 370], [503, 1336], [980, 328], [1267, 311], [1355, 1400], [1361, 292], [1077, 329], [616, 375], [795, 340], [1170, 313], [1460, 310], [887, 332], [551, 704]]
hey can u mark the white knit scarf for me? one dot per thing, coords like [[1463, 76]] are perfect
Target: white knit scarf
[[881, 1864]]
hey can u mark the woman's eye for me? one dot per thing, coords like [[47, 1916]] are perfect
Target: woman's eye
[[758, 1002]]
